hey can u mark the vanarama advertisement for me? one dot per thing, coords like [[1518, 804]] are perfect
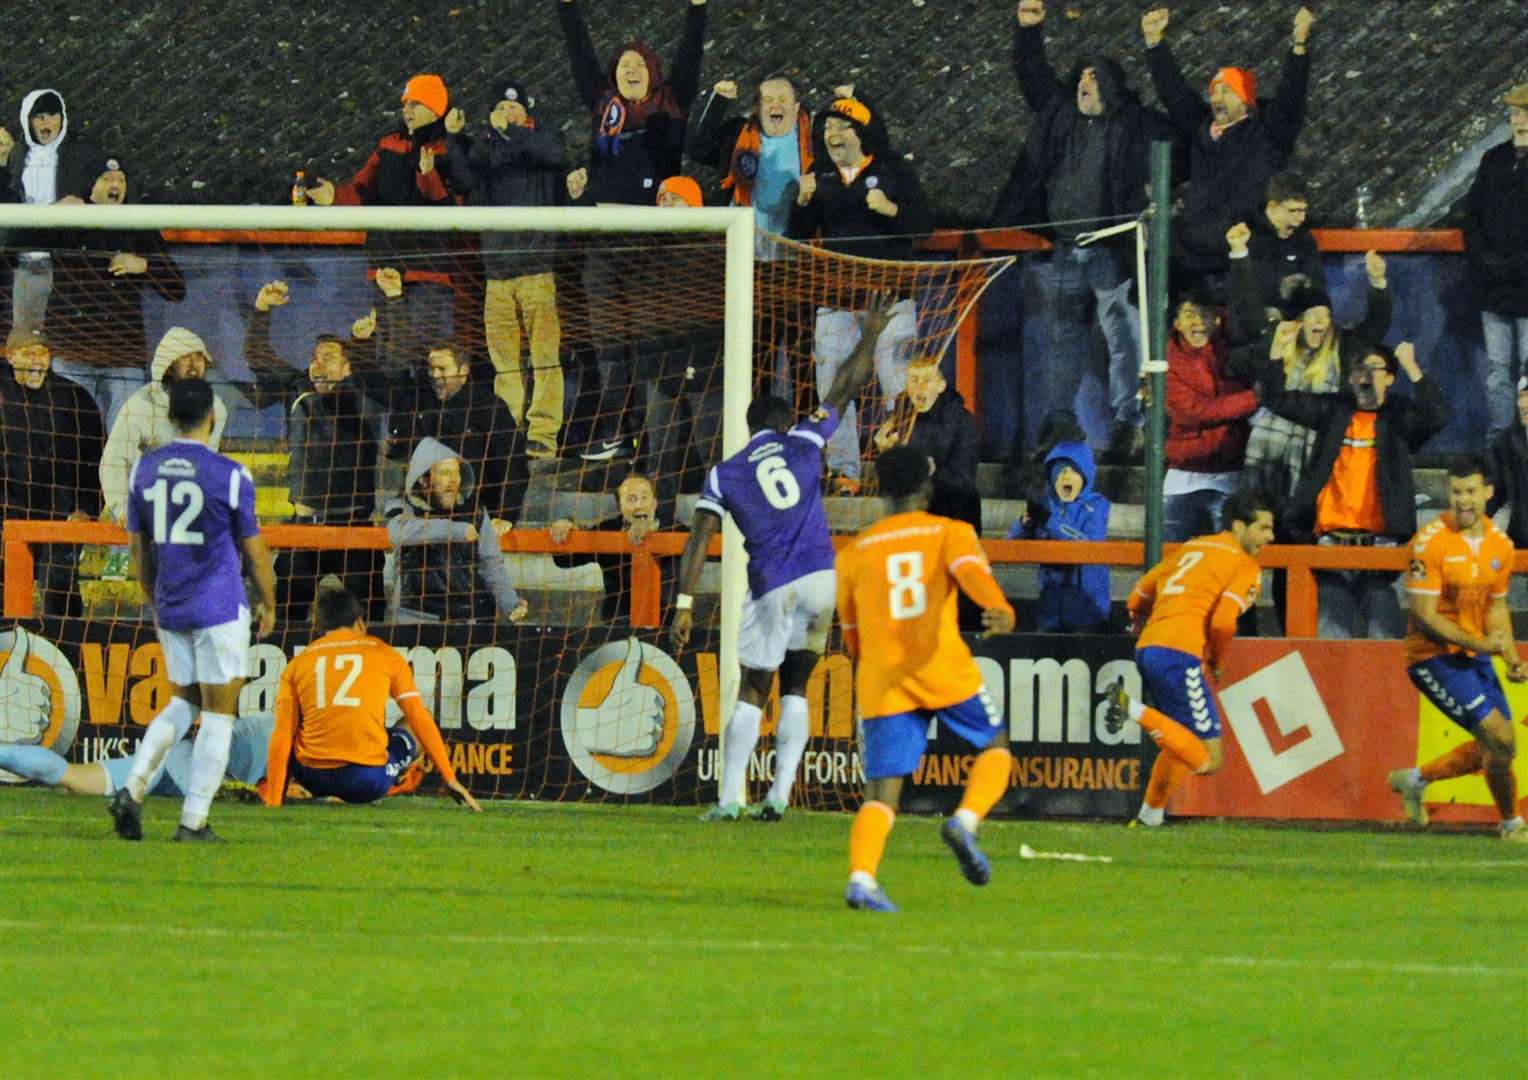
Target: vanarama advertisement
[[611, 716]]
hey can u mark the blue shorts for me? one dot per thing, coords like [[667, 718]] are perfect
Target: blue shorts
[[359, 783], [1464, 688], [894, 744], [1174, 683]]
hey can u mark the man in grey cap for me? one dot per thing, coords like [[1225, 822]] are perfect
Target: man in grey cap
[[1496, 244]]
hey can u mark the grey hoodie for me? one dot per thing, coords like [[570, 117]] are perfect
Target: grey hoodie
[[431, 579], [144, 421]]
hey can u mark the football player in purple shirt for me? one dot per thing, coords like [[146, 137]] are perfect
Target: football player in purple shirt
[[190, 516], [773, 490]]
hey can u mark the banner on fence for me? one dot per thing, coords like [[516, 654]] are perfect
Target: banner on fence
[[1311, 727]]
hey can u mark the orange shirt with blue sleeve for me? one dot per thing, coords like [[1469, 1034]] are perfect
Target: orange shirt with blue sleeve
[[1190, 601], [331, 708], [1468, 575], [898, 583]]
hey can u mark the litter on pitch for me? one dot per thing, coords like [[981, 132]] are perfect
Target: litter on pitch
[[1027, 852]]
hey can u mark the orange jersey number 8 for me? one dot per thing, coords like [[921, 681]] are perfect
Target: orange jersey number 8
[[908, 596]]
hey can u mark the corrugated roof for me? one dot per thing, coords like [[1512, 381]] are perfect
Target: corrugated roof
[[213, 102]]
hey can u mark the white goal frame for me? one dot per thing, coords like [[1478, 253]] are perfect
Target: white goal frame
[[736, 223]]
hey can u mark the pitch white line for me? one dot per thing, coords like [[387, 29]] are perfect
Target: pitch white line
[[53, 928]]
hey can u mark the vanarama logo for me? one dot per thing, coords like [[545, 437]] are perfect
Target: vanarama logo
[[628, 717], [39, 694]]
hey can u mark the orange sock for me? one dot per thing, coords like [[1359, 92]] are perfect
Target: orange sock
[[1175, 739], [1166, 774], [1462, 760], [867, 837], [988, 780]]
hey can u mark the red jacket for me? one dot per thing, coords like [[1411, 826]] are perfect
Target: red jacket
[[391, 175], [1206, 411]]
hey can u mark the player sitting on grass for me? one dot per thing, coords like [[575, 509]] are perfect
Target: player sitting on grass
[[190, 516], [897, 598], [246, 765], [1185, 610], [331, 714], [1461, 565], [773, 490]]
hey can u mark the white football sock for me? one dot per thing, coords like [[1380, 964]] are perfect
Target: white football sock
[[209, 760], [741, 738], [163, 732], [790, 744], [1151, 815]]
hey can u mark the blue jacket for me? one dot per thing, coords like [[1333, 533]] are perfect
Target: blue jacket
[[1071, 597]]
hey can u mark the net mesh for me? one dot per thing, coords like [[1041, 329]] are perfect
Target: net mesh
[[578, 379]]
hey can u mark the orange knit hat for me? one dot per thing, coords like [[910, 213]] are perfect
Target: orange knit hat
[[1241, 82], [429, 91], [685, 187]]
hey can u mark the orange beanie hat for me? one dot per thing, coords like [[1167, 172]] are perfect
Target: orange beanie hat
[[429, 91], [685, 187], [1241, 82]]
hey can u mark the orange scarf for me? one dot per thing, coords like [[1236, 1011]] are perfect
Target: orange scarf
[[744, 166]]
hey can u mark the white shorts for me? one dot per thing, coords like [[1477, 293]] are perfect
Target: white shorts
[[213, 656], [790, 618]]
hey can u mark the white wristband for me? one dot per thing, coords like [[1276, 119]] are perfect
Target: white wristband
[[683, 602]]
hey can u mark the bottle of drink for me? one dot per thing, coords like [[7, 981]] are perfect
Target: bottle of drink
[[300, 189]]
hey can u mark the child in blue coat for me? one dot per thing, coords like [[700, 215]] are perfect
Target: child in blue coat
[[1073, 599]]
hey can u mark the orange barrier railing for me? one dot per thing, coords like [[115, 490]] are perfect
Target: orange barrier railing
[[1300, 560]]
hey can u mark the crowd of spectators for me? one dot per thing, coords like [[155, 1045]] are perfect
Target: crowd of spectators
[[399, 423]]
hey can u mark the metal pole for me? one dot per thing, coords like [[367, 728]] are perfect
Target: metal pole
[[1156, 367]]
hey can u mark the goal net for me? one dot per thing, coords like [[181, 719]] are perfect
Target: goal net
[[582, 369]]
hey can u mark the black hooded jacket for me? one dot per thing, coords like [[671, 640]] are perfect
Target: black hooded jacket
[[627, 168], [1509, 455], [1130, 129], [1404, 424], [80, 162], [1496, 232], [331, 437], [515, 167], [96, 316], [50, 441], [838, 212], [1228, 177], [947, 434]]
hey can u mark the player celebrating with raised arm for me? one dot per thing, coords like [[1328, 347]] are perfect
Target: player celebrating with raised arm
[[898, 584], [773, 490], [198, 510], [1461, 565], [1185, 610], [331, 723]]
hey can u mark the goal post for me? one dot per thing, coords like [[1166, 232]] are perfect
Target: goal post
[[736, 224], [561, 705]]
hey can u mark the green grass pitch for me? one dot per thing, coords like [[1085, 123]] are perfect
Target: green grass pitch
[[539, 940]]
